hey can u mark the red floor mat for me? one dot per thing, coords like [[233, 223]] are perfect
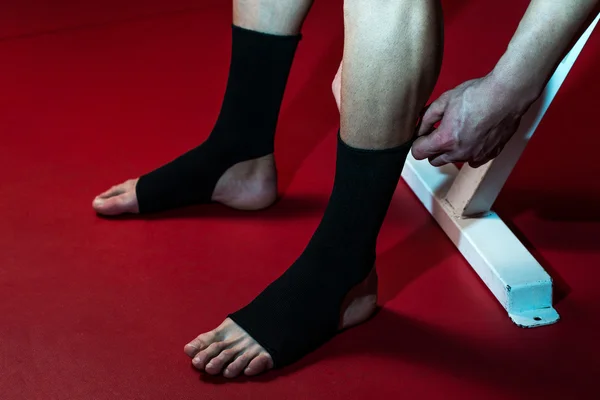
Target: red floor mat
[[93, 308], [33, 17]]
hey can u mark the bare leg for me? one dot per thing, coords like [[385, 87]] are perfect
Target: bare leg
[[392, 57], [389, 69], [277, 17], [248, 185]]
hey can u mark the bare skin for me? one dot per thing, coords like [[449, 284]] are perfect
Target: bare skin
[[400, 41], [477, 118], [400, 52], [230, 351], [249, 185]]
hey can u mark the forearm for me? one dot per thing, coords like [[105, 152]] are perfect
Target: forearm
[[541, 40]]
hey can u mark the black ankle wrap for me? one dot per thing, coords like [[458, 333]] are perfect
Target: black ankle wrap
[[301, 310], [245, 129]]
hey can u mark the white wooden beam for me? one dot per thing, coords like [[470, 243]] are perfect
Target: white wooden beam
[[511, 273]]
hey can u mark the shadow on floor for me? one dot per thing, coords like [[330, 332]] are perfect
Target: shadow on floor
[[391, 335]]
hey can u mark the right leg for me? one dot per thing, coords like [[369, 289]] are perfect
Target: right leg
[[392, 56], [235, 166]]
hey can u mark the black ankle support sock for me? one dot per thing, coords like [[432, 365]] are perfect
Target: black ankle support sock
[[301, 310], [245, 129]]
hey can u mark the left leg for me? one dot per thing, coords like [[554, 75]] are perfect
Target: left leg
[[392, 55], [234, 166]]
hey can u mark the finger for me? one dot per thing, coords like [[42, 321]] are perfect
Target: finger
[[433, 114], [440, 160], [433, 144], [479, 163], [497, 152], [420, 120], [476, 163]]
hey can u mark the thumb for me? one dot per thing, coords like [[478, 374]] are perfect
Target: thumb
[[432, 144], [433, 114]]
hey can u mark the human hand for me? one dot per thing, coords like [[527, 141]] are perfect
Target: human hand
[[477, 119]]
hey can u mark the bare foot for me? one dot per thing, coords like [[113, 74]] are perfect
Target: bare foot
[[230, 350], [249, 185]]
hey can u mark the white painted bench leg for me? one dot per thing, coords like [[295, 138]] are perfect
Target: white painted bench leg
[[461, 203]]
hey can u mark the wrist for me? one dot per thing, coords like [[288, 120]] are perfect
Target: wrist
[[514, 87]]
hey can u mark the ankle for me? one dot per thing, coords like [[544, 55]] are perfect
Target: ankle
[[249, 185]]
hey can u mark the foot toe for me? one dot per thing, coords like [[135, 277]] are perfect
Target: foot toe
[[215, 366], [205, 356], [229, 350], [113, 191], [124, 203], [238, 366], [199, 344], [259, 364], [117, 200]]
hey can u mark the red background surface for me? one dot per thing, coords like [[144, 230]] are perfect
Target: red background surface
[[92, 93]]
